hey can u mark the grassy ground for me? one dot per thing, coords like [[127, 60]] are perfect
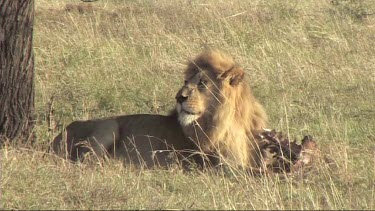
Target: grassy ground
[[311, 64]]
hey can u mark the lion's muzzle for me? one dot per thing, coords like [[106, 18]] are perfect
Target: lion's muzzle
[[188, 106]]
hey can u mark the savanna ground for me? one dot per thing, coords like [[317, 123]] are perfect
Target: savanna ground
[[311, 63]]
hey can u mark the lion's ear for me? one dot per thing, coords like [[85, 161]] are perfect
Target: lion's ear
[[235, 75]]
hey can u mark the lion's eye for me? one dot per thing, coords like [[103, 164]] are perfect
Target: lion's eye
[[202, 83]]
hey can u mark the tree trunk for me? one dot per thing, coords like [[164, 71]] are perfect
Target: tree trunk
[[16, 70]]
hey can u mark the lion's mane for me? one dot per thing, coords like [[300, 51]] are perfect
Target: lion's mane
[[228, 126]]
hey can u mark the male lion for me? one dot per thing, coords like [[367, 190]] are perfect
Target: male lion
[[218, 111], [215, 112], [142, 139]]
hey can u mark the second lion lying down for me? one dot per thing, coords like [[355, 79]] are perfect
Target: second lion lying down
[[216, 113]]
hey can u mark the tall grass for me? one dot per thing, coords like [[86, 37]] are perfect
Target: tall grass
[[311, 64]]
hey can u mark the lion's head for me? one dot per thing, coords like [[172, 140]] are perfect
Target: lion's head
[[217, 109]]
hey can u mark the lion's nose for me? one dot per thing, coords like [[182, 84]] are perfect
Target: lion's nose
[[184, 94], [181, 98]]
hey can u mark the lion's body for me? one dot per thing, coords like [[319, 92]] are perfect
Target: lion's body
[[215, 112], [142, 139], [218, 111]]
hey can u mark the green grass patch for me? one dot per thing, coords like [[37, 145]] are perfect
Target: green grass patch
[[311, 64]]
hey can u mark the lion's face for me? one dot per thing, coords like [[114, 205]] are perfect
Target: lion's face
[[197, 96]]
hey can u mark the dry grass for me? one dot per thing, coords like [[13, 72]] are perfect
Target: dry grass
[[311, 63]]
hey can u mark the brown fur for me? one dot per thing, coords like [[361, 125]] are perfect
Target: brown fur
[[222, 115], [142, 139]]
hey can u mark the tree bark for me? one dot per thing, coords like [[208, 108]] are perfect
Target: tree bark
[[16, 70]]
